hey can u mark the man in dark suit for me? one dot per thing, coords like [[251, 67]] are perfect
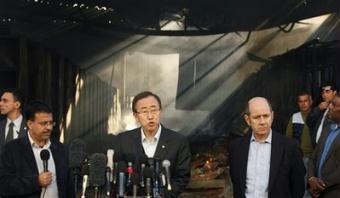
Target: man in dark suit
[[14, 125], [324, 166], [265, 163], [317, 119], [22, 171], [153, 140]]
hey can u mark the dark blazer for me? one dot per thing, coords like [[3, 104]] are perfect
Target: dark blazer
[[331, 168], [21, 133], [287, 171], [19, 171], [313, 121], [171, 146]]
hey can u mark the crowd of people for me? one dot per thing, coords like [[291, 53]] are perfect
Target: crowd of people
[[304, 161]]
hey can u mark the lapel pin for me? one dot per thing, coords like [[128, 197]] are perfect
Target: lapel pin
[[163, 146]]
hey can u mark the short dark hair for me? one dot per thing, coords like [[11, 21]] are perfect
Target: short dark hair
[[328, 83], [17, 95], [142, 95], [36, 107], [303, 93]]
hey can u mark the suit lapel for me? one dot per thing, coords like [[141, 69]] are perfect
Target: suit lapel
[[23, 128], [2, 131], [243, 161], [137, 140], [162, 145], [28, 154], [334, 146], [275, 158]]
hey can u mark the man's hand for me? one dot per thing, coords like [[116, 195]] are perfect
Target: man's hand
[[45, 179], [316, 186], [323, 105]]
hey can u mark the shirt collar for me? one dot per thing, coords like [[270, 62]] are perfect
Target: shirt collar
[[268, 139], [157, 135], [334, 126], [17, 122], [35, 145]]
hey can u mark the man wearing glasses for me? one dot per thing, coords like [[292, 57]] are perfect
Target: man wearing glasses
[[23, 172], [152, 140]]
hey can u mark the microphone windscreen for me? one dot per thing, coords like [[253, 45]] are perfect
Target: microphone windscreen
[[97, 169], [44, 155], [135, 179], [76, 153], [166, 163], [148, 172]]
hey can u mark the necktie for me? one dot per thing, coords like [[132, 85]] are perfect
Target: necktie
[[10, 134]]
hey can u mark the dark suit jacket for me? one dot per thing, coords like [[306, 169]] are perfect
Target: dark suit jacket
[[171, 146], [19, 171], [287, 171], [313, 121], [331, 167], [22, 132]]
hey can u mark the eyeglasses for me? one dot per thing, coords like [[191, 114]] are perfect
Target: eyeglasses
[[145, 113], [47, 123]]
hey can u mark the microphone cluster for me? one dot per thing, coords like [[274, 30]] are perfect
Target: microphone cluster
[[106, 176]]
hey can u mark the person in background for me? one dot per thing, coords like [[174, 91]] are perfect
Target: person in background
[[14, 125], [324, 166], [22, 173], [317, 119], [298, 130], [264, 163]]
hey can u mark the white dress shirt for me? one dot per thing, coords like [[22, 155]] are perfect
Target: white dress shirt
[[319, 131], [150, 144], [52, 189], [258, 167], [16, 127]]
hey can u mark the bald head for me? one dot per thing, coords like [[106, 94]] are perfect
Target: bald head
[[256, 102], [259, 117]]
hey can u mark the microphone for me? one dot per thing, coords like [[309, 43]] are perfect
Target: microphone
[[148, 174], [97, 171], [135, 182], [166, 164], [142, 166], [109, 171], [121, 178], [85, 172], [156, 187], [76, 153], [45, 156]]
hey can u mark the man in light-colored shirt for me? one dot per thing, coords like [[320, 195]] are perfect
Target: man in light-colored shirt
[[264, 163], [156, 142], [22, 171], [14, 125]]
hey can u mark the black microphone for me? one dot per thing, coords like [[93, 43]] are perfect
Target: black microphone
[[121, 178], [45, 156], [97, 171], [76, 153], [135, 182], [148, 174], [85, 172], [156, 186], [143, 161], [166, 164]]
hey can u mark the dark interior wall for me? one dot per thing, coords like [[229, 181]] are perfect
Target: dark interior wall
[[40, 73]]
